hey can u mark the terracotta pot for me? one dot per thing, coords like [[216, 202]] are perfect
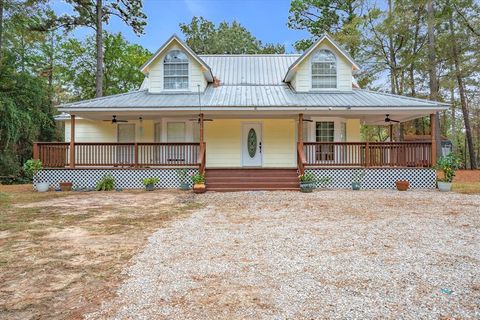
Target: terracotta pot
[[199, 188], [402, 185], [66, 186]]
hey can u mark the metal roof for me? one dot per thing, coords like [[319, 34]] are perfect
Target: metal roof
[[277, 96], [251, 69]]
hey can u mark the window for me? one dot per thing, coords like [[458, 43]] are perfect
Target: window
[[324, 70], [158, 132], [324, 131], [176, 131], [175, 71]]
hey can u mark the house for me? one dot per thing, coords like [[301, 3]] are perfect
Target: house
[[248, 121]]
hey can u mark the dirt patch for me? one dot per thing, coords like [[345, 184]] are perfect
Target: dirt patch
[[62, 252], [467, 176]]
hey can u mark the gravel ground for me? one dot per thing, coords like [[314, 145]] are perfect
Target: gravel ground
[[330, 254]]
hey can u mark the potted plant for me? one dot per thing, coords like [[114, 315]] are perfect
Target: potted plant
[[149, 183], [307, 182], [357, 178], [31, 168], [402, 185], [182, 176], [66, 186], [198, 181], [448, 164]]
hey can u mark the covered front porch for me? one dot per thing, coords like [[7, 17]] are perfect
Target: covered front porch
[[239, 140]]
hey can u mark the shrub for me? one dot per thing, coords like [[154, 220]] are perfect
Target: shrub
[[148, 181], [182, 175], [31, 167], [307, 177], [198, 178], [107, 183], [449, 164]]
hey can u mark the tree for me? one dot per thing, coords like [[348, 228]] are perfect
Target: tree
[[340, 18], [206, 38], [121, 68], [93, 13]]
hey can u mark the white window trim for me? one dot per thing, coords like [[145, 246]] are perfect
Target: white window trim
[[311, 76], [337, 128], [164, 124], [188, 75], [134, 131]]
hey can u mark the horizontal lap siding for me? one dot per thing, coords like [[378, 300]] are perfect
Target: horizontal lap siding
[[101, 131], [224, 142], [353, 130]]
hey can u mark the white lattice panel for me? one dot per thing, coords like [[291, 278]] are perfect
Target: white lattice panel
[[125, 178], [419, 178]]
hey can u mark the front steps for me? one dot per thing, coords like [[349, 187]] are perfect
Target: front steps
[[224, 180]]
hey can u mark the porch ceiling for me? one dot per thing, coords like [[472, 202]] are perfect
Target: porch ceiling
[[366, 117]]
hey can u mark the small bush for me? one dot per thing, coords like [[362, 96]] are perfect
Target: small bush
[[107, 183], [31, 167], [148, 181]]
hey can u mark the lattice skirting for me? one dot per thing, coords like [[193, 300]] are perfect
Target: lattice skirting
[[419, 178], [124, 178]]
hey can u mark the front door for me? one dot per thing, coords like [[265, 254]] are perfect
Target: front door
[[252, 144]]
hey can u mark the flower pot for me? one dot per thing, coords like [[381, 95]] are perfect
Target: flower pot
[[42, 186], [199, 188], [307, 187], [444, 186], [184, 186], [356, 185], [402, 185], [150, 187], [66, 186]]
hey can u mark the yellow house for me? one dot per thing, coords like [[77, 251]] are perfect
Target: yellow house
[[246, 121]]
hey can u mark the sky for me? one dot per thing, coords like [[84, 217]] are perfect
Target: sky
[[265, 19]]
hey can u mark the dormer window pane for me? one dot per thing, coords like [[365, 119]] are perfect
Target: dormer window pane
[[175, 71], [324, 70]]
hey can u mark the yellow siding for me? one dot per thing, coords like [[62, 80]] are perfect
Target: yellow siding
[[353, 130], [303, 79], [195, 76], [100, 131], [224, 142], [279, 143]]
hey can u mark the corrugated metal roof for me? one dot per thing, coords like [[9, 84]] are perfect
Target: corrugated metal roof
[[254, 69], [254, 96]]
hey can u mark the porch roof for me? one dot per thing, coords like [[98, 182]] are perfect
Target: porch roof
[[270, 97]]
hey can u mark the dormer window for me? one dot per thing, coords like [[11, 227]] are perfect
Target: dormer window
[[324, 70], [175, 71]]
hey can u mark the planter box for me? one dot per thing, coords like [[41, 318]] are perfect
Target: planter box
[[66, 186]]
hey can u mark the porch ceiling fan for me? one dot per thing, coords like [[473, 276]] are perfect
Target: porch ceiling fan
[[388, 120], [115, 120]]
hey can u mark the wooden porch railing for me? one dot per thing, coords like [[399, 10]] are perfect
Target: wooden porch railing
[[112, 154], [367, 154]]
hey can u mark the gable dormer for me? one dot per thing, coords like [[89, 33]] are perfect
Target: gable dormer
[[175, 68], [325, 66]]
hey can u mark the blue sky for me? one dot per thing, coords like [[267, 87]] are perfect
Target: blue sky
[[266, 19]]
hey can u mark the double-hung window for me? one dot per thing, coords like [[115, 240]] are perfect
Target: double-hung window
[[324, 132], [175, 71], [324, 70]]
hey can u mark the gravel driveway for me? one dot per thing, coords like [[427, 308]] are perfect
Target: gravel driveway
[[330, 254]]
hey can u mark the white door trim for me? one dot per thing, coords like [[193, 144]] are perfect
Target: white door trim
[[259, 145]]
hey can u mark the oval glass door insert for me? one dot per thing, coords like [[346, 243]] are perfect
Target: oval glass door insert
[[252, 143]]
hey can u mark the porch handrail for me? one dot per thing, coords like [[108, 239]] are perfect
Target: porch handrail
[[117, 154], [368, 154]]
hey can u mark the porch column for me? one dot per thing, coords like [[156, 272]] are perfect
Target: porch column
[[200, 117], [433, 131], [300, 129], [72, 141]]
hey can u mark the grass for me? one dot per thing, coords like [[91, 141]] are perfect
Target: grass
[[61, 253], [466, 187]]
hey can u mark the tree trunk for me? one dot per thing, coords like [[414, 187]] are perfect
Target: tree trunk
[[463, 99], [99, 45], [454, 117], [1, 30], [432, 70]]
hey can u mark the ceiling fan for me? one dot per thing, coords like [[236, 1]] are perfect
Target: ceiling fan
[[115, 120], [387, 119], [198, 119]]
